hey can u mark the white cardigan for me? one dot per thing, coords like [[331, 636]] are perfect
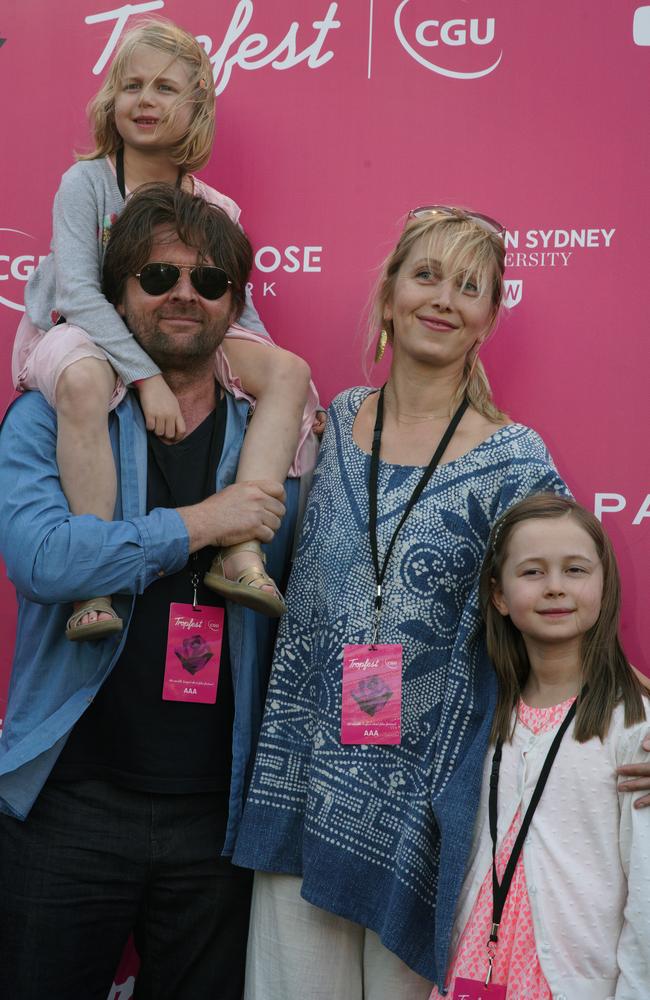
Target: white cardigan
[[586, 859]]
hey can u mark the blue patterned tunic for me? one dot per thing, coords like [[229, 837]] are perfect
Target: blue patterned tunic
[[381, 833]]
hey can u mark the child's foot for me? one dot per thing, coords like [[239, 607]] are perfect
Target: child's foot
[[238, 574], [93, 619]]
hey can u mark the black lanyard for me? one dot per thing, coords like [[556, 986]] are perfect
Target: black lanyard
[[119, 172], [500, 891], [380, 572]]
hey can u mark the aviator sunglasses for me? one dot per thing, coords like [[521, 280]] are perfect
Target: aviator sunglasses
[[159, 277], [484, 221]]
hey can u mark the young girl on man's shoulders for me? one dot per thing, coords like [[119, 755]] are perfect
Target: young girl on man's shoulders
[[153, 120]]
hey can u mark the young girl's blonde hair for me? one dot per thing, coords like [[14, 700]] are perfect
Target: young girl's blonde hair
[[462, 248], [193, 150], [605, 668]]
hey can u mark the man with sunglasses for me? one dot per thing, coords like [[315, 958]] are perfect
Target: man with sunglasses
[[124, 761]]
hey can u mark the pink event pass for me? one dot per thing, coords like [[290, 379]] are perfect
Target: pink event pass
[[194, 641], [471, 989], [371, 709]]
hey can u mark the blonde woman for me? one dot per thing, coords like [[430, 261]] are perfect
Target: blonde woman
[[153, 120], [375, 827]]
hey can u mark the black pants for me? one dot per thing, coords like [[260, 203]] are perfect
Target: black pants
[[92, 864]]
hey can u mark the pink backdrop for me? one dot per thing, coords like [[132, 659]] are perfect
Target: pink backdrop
[[333, 120]]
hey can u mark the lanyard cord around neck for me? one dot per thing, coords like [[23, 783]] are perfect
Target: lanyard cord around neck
[[119, 172], [373, 480], [500, 890]]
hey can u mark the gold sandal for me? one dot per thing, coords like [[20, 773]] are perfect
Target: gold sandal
[[245, 589], [93, 630]]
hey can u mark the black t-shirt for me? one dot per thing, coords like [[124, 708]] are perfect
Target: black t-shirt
[[129, 735]]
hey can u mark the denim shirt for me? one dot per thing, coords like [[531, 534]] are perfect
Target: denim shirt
[[54, 558]]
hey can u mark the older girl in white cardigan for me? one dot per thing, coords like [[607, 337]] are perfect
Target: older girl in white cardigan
[[570, 919]]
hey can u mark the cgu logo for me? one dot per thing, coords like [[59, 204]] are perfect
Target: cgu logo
[[14, 268], [432, 34], [513, 289]]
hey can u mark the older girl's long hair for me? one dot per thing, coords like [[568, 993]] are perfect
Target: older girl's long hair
[[605, 669], [468, 251], [193, 150]]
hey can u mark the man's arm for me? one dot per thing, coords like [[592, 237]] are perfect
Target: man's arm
[[53, 557]]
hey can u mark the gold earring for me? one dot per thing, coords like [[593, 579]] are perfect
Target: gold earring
[[382, 340]]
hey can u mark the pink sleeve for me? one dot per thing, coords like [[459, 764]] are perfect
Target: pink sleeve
[[307, 451], [214, 197]]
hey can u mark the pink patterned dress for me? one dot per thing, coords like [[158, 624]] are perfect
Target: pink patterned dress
[[516, 964]]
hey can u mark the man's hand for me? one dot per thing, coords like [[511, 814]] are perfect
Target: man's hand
[[320, 423], [637, 778], [162, 413], [236, 514]]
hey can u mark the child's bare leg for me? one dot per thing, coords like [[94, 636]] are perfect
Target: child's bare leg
[[272, 436], [280, 388], [83, 449]]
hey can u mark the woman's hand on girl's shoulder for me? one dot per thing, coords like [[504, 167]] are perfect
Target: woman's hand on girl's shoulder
[[320, 422], [637, 778], [637, 775]]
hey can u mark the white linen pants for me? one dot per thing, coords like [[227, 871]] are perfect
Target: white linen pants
[[296, 950]]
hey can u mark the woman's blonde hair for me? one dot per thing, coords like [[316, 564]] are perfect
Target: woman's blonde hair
[[605, 668], [465, 249], [193, 150]]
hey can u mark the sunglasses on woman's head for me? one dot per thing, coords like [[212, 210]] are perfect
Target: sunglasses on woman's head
[[159, 277], [484, 221]]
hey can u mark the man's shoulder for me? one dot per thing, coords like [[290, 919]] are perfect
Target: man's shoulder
[[28, 428], [238, 408], [29, 408]]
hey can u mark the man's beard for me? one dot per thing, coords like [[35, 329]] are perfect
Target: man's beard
[[178, 352]]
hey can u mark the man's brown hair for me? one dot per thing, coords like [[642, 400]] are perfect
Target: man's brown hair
[[204, 227]]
